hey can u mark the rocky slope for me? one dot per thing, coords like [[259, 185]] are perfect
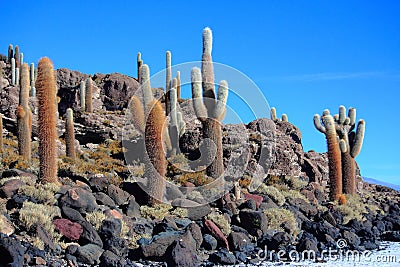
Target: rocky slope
[[97, 217]]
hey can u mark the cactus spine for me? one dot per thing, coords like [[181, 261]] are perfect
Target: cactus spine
[[13, 78], [24, 116], [47, 131], [10, 53], [334, 155], [82, 94], [139, 64], [88, 95], [168, 80], [70, 134], [210, 108]]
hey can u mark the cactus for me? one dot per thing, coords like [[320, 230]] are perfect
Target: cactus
[[82, 94], [210, 109], [21, 59], [177, 125], [275, 118], [17, 76], [137, 115], [10, 53], [70, 134], [139, 64], [168, 82], [1, 132], [178, 86], [47, 131], [351, 143], [13, 78], [88, 95], [32, 74], [334, 156], [155, 170], [24, 116], [16, 56]]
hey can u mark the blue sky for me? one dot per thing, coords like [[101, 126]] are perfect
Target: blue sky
[[305, 56]]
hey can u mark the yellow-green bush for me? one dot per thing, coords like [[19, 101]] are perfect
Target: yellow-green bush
[[293, 194], [278, 216], [44, 193], [355, 208], [221, 222], [272, 193], [158, 212], [95, 218]]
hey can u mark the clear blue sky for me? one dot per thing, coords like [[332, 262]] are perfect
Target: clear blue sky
[[304, 55]]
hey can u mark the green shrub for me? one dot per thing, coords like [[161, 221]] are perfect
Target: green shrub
[[158, 212], [221, 222], [278, 216], [95, 218], [272, 193]]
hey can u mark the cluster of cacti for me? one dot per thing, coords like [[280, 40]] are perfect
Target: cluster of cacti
[[69, 134], [343, 146], [177, 125], [275, 118], [210, 109], [88, 95], [24, 116], [47, 131], [153, 129]]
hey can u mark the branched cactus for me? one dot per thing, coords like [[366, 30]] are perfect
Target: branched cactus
[[47, 131], [70, 134], [210, 109], [327, 126], [88, 95], [24, 116], [350, 145], [139, 64], [275, 118], [82, 95], [168, 81], [10, 53]]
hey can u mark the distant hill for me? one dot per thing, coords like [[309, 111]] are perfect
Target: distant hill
[[374, 181]]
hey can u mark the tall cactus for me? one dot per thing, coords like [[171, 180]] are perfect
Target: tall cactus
[[70, 134], [178, 86], [17, 76], [139, 64], [10, 53], [177, 125], [153, 129], [13, 77], [334, 156], [168, 81], [47, 131], [32, 74], [350, 146], [210, 108], [21, 59], [24, 116], [88, 95], [82, 94]]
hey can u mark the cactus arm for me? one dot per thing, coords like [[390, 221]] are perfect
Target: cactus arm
[[207, 71], [173, 98], [137, 113], [145, 85], [197, 94], [223, 92], [318, 125], [273, 114], [358, 139], [285, 118], [181, 124]]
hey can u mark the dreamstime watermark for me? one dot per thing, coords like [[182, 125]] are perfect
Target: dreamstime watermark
[[338, 254], [245, 103]]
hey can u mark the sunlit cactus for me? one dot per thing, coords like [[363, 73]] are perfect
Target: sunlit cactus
[[47, 131], [17, 76], [168, 81], [24, 116], [210, 108], [139, 64], [32, 74], [69, 134], [13, 77], [178, 86], [88, 95], [328, 127], [82, 95], [285, 118], [16, 56], [273, 114]]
